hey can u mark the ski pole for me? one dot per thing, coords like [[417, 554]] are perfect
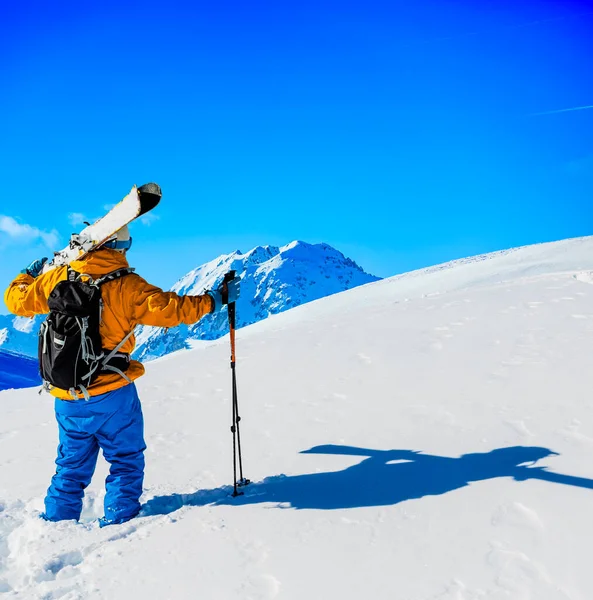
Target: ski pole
[[235, 430]]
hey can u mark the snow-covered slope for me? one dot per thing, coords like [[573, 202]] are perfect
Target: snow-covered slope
[[273, 280], [423, 437]]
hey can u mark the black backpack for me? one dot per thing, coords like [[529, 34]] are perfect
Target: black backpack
[[71, 355]]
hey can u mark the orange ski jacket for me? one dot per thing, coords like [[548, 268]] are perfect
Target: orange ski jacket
[[128, 301]]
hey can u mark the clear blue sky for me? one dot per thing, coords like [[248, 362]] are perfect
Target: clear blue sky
[[403, 133]]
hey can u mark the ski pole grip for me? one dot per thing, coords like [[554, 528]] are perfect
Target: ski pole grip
[[225, 289]]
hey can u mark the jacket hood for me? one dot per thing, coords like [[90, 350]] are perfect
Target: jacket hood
[[100, 262]]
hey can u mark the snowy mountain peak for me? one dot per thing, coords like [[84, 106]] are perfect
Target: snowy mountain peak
[[261, 254], [210, 274], [303, 250], [273, 280]]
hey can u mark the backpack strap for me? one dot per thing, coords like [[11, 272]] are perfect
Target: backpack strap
[[116, 349], [76, 276], [118, 371], [105, 362], [114, 275], [117, 274]]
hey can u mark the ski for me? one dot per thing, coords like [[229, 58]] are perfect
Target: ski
[[135, 204]]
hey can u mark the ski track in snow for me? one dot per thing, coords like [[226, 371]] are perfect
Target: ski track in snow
[[432, 448]]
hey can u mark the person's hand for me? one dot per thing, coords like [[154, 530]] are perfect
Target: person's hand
[[233, 290], [35, 268]]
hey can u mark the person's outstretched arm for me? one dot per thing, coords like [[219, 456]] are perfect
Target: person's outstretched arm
[[153, 306], [27, 295]]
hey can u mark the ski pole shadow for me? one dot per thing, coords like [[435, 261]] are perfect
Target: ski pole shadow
[[382, 478]]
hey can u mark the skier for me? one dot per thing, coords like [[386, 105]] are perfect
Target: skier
[[109, 416]]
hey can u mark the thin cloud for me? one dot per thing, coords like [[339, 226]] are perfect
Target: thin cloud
[[148, 219], [76, 219], [561, 110], [23, 233]]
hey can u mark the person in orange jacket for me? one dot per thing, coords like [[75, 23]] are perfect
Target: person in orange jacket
[[110, 416]]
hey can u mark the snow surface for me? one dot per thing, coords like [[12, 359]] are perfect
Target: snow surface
[[420, 438]]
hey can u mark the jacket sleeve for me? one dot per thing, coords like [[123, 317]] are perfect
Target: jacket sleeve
[[27, 297], [151, 306]]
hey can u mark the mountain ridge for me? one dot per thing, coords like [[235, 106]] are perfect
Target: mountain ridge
[[274, 279], [278, 278]]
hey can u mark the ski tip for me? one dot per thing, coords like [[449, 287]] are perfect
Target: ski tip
[[150, 195], [154, 189]]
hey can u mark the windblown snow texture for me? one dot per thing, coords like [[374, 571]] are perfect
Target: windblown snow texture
[[273, 280]]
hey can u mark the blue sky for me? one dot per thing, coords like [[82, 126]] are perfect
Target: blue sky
[[403, 133]]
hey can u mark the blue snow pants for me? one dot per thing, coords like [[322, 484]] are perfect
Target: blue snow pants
[[113, 423]]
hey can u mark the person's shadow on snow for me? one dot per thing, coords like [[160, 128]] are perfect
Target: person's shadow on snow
[[384, 478]]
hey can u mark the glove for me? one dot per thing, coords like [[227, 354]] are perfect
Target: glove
[[234, 291], [35, 268]]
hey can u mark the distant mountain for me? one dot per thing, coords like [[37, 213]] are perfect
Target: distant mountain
[[19, 334], [18, 371], [273, 280]]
